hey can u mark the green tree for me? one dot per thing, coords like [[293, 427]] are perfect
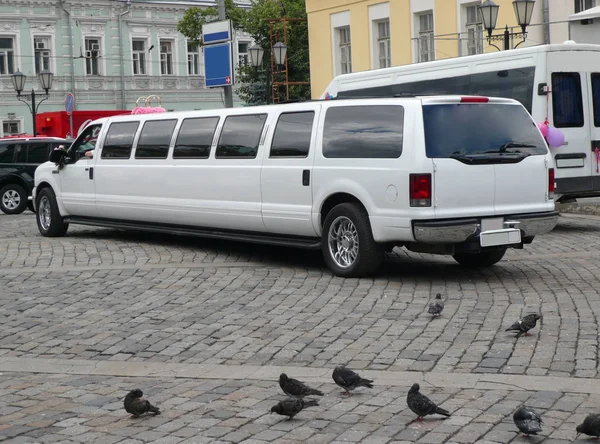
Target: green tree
[[191, 23]]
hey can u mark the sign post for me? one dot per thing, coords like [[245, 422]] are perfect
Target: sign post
[[218, 55], [69, 105]]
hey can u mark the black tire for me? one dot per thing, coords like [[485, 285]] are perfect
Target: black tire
[[481, 259], [13, 199], [369, 254], [49, 221], [30, 206]]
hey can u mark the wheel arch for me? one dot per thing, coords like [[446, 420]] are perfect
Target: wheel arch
[[335, 199]]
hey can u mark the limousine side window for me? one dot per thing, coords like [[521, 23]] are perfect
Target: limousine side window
[[240, 136], [292, 135], [195, 138], [86, 142], [155, 139], [119, 140], [370, 131]]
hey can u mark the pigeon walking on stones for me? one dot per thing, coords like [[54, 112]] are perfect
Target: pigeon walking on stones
[[421, 404], [136, 405], [525, 324], [349, 380], [297, 389], [528, 421], [291, 407], [590, 425], [436, 306]]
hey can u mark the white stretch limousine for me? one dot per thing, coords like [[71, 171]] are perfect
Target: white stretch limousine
[[465, 176]]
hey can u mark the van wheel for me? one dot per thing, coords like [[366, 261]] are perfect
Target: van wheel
[[13, 199], [347, 242], [49, 221], [481, 259]]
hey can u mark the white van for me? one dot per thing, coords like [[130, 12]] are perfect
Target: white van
[[465, 176], [560, 83]]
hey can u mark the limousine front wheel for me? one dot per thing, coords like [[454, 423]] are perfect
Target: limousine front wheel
[[348, 245], [49, 221]]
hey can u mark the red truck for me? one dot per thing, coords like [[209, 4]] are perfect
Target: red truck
[[56, 123]]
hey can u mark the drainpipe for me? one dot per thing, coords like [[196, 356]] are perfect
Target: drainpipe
[[123, 102], [546, 20], [62, 4]]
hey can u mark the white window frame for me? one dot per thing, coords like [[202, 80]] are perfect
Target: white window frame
[[5, 68], [378, 13], [338, 20], [427, 35], [18, 120], [243, 57], [580, 5], [194, 59], [136, 59], [40, 54], [92, 53], [473, 30], [384, 52], [344, 48], [167, 58]]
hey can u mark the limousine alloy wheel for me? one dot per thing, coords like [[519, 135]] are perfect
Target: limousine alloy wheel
[[348, 245], [49, 221], [13, 199]]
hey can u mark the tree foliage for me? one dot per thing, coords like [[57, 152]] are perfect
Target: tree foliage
[[191, 23]]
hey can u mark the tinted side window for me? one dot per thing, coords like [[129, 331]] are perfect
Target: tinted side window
[[155, 139], [195, 137], [363, 132], [567, 104], [596, 97], [85, 142], [240, 136], [21, 153], [7, 152], [37, 152], [292, 135], [119, 140]]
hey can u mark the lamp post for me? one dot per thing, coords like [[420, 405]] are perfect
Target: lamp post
[[489, 15], [256, 59], [18, 79]]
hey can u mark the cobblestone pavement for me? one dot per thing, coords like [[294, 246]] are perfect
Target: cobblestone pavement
[[108, 296]]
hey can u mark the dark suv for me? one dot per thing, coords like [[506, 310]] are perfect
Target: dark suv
[[19, 157]]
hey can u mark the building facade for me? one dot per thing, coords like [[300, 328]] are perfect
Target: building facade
[[349, 36], [107, 53]]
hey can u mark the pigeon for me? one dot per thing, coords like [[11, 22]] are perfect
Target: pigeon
[[436, 306], [421, 404], [525, 324], [136, 405], [528, 421], [349, 380], [291, 407], [293, 387], [590, 426]]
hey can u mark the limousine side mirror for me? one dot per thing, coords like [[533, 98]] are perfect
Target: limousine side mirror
[[57, 156]]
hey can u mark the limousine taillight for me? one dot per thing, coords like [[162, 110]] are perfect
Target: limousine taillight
[[551, 183], [420, 190]]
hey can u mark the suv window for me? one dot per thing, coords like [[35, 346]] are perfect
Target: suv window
[[37, 152], [240, 136], [292, 135], [119, 140], [477, 128], [21, 152], [370, 131], [195, 137], [86, 142], [567, 104], [7, 152], [155, 139]]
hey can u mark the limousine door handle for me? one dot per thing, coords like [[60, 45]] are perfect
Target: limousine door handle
[[306, 178], [91, 172]]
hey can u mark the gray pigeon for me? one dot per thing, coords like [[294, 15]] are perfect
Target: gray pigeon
[[528, 421], [136, 405], [436, 306], [525, 324], [293, 387], [349, 380], [291, 407], [421, 404], [590, 426]]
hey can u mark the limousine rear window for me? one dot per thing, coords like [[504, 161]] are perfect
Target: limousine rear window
[[371, 131], [155, 139], [119, 140], [195, 138], [292, 135], [240, 136]]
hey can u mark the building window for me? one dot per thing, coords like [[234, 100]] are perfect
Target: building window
[[42, 53], [243, 56], [92, 52], [166, 57], [474, 31], [193, 59], [7, 55], [582, 5], [383, 43], [11, 127], [426, 42], [138, 50], [345, 49]]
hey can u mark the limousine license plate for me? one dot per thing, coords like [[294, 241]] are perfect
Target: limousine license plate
[[504, 236]]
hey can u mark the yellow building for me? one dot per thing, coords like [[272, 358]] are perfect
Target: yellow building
[[357, 35]]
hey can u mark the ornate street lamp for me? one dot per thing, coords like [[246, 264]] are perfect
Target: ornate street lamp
[[489, 16], [45, 78]]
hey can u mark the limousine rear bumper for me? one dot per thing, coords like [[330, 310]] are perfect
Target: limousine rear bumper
[[454, 231]]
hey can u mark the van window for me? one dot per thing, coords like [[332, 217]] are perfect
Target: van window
[[155, 139], [567, 104], [37, 152], [372, 131], [596, 97], [240, 136], [86, 142], [119, 140], [195, 138], [7, 152], [292, 135], [470, 129]]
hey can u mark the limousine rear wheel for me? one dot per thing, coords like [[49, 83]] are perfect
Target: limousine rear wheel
[[13, 199], [481, 259], [348, 245], [49, 221]]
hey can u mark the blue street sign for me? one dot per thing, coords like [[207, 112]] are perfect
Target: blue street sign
[[216, 32], [218, 63], [69, 103]]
